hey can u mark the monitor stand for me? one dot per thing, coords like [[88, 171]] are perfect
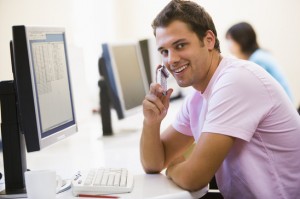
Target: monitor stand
[[105, 103], [14, 148], [105, 108], [13, 142]]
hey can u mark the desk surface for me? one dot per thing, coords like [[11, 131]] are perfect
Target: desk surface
[[89, 149], [155, 186]]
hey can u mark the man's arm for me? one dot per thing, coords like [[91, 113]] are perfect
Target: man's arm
[[158, 150], [197, 171]]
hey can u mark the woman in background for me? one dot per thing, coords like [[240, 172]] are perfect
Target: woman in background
[[243, 45]]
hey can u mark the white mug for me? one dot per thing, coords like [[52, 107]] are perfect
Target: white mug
[[41, 184]]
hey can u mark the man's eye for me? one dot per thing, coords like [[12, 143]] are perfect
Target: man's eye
[[179, 46], [164, 52]]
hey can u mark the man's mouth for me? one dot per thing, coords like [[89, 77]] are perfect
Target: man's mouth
[[179, 70]]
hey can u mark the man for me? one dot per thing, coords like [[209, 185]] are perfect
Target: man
[[246, 130]]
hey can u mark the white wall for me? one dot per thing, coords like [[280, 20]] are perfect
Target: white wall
[[91, 22], [88, 23], [276, 23]]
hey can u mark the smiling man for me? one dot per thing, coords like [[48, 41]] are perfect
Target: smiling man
[[246, 131]]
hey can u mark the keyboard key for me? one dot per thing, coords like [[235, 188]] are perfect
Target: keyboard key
[[104, 179], [123, 181], [110, 181], [97, 180], [117, 179], [116, 170], [88, 181]]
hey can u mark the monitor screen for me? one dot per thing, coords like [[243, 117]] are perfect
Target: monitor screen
[[130, 75], [41, 72], [127, 75], [49, 61]]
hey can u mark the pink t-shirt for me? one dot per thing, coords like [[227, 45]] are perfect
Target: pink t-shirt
[[245, 102]]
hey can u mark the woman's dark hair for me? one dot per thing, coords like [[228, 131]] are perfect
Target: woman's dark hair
[[244, 34], [190, 13]]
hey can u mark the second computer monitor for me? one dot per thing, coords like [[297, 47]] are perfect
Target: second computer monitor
[[126, 76]]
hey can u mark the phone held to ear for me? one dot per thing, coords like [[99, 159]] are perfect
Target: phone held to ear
[[161, 77]]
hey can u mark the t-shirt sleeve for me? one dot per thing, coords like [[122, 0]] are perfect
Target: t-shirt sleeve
[[182, 119], [238, 102]]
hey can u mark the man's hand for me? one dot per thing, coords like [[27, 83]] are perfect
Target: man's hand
[[155, 104]]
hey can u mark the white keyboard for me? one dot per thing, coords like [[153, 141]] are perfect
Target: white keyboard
[[102, 181]]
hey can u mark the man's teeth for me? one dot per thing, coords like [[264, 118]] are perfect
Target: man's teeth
[[181, 69]]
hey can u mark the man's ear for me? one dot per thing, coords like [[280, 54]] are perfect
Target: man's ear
[[209, 40]]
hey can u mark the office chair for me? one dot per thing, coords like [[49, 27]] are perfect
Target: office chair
[[213, 192]]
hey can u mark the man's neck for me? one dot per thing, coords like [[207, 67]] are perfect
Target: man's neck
[[216, 59]]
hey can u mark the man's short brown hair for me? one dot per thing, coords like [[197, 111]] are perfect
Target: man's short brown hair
[[190, 13]]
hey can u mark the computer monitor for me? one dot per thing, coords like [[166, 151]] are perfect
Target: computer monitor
[[43, 85], [44, 104], [125, 76]]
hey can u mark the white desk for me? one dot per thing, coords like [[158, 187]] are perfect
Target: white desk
[[89, 149], [155, 186]]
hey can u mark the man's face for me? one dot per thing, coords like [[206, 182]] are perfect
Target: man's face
[[186, 57]]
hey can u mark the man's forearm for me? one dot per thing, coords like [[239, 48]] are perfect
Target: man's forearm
[[152, 149], [184, 177]]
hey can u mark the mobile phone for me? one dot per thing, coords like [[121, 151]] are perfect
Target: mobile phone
[[161, 77]]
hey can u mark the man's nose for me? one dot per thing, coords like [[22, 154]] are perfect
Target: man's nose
[[173, 58]]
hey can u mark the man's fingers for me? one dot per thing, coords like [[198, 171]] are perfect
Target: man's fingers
[[156, 89], [150, 106], [169, 93], [157, 98], [166, 99], [156, 101]]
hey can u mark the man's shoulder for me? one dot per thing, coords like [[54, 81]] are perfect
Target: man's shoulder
[[240, 70], [240, 75]]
